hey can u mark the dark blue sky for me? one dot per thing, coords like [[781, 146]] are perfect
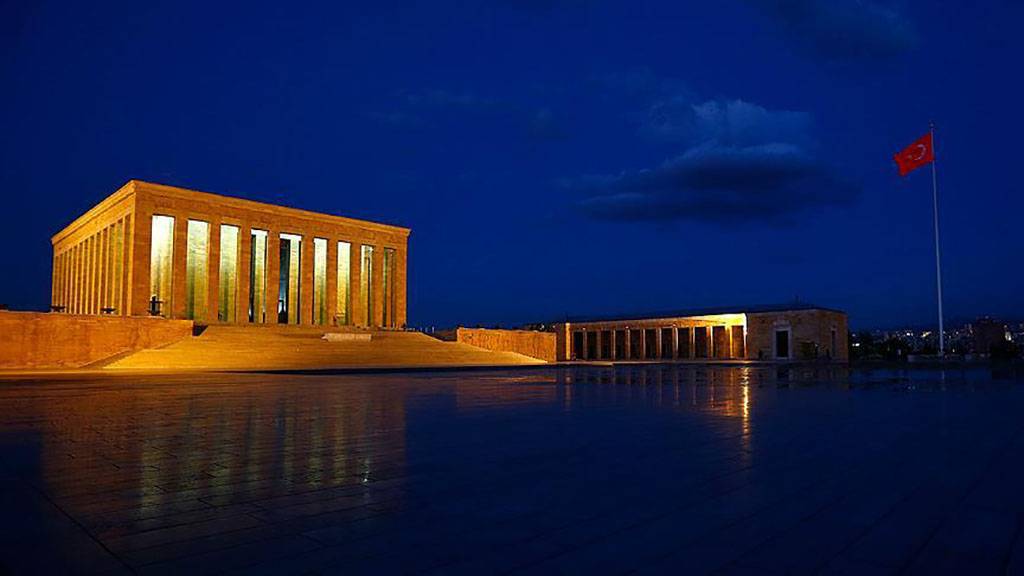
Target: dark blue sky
[[551, 157]]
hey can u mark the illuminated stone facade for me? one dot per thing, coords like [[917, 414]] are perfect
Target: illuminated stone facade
[[768, 333], [154, 250]]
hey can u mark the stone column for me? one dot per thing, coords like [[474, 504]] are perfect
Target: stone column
[[117, 260], [331, 294], [180, 255], [401, 287], [627, 346], [65, 269], [101, 270], [87, 274], [273, 273], [102, 301], [129, 290], [213, 273], [75, 275], [643, 343], [306, 280], [83, 275], [73, 293], [244, 270], [611, 344], [377, 281], [355, 284], [97, 294], [111, 240], [657, 343], [675, 343], [78, 279], [86, 277]]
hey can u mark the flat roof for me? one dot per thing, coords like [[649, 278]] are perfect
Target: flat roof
[[134, 185], [246, 203], [686, 313]]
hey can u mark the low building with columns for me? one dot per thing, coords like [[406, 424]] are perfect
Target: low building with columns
[[788, 332], [155, 250]]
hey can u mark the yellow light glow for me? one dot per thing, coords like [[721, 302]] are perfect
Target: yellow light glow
[[160, 259]]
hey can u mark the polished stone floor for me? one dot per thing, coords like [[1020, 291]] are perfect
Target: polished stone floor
[[658, 469]]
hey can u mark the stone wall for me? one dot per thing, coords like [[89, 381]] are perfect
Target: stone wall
[[32, 340], [540, 345], [810, 334]]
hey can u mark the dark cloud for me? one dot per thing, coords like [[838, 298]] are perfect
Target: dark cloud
[[768, 183], [744, 162], [842, 29]]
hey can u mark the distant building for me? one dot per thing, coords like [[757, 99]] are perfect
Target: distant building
[[154, 250], [793, 332], [988, 333]]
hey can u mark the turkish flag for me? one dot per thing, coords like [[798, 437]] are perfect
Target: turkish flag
[[916, 155]]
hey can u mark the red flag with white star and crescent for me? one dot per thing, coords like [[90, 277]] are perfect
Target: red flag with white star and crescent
[[918, 154]]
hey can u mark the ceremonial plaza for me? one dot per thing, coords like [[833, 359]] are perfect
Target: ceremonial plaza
[[166, 278]]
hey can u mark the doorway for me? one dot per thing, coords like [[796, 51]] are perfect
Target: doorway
[[288, 289], [782, 344], [577, 345]]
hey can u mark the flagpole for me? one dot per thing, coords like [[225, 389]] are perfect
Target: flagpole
[[938, 261]]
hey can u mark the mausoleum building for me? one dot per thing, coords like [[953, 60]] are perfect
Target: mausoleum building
[[155, 250]]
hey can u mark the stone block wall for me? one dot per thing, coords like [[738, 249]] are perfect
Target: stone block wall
[[33, 340], [540, 345], [810, 334]]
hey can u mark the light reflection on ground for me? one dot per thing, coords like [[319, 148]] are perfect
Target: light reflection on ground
[[652, 468]]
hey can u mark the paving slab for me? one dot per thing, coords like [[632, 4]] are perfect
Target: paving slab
[[651, 469]]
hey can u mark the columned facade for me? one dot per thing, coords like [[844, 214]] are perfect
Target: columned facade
[[154, 250], [766, 333], [660, 339]]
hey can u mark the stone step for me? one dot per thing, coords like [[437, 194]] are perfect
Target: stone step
[[304, 348]]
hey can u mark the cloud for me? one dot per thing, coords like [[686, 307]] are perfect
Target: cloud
[[678, 119], [743, 163], [842, 29], [769, 183]]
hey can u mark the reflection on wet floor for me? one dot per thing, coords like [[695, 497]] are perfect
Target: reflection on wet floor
[[599, 469]]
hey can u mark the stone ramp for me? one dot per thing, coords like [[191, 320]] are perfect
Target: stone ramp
[[243, 348]]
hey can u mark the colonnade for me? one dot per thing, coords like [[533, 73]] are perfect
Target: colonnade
[[220, 270], [91, 276], [658, 342]]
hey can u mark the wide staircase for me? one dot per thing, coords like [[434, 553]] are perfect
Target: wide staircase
[[251, 348]]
